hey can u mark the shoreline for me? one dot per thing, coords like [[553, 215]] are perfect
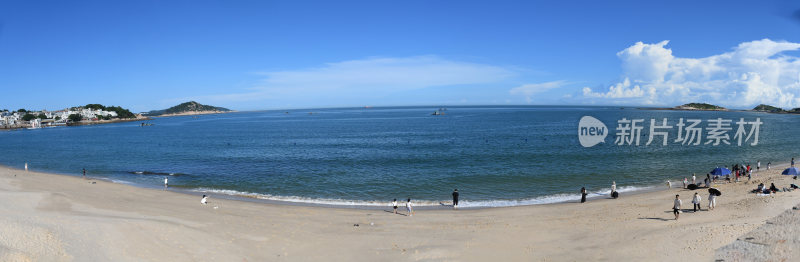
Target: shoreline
[[195, 113], [132, 223], [337, 203], [421, 204], [82, 123]]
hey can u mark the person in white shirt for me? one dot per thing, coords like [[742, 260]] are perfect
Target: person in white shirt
[[694, 179], [669, 184], [613, 186], [409, 208], [685, 182], [394, 205], [712, 201], [696, 202], [166, 182], [676, 207], [204, 200]]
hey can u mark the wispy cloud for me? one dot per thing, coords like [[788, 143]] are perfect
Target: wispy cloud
[[362, 81], [752, 73], [528, 90]]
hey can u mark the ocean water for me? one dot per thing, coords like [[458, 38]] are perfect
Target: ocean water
[[494, 155]]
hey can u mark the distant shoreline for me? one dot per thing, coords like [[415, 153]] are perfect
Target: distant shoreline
[[194, 113], [82, 123], [717, 110]]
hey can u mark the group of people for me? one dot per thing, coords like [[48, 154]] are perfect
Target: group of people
[[696, 200], [410, 208]]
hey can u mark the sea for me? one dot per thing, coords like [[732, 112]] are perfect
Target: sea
[[364, 157]]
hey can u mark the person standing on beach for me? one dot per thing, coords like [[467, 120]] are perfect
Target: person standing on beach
[[712, 201], [455, 198], [792, 161], [84, 173], [394, 205], [204, 200], [583, 194], [409, 208], [26, 166], [758, 165], [669, 184], [696, 201], [694, 179], [768, 164], [613, 186], [166, 182], [685, 182], [676, 207]]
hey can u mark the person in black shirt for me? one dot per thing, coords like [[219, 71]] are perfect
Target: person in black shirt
[[583, 194], [455, 198]]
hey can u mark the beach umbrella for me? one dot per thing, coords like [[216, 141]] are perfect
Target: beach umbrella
[[720, 171], [714, 191], [792, 171]]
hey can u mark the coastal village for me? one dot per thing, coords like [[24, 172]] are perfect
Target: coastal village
[[89, 114], [95, 114]]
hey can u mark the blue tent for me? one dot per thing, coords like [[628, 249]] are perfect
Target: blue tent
[[792, 171], [720, 171]]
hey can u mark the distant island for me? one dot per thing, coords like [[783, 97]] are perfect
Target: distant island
[[768, 108], [694, 107], [700, 106], [709, 107], [189, 108]]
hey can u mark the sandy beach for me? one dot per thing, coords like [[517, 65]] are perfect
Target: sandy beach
[[47, 217]]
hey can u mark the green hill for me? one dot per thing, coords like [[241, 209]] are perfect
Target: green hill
[[188, 107], [700, 106], [767, 108]]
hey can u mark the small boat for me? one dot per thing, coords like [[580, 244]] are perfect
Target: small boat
[[439, 112]]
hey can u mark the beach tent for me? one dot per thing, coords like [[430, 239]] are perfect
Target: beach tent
[[720, 171], [792, 171]]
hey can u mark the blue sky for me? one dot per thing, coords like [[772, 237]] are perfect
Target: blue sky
[[250, 55]]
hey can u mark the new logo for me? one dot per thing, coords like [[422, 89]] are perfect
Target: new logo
[[591, 131]]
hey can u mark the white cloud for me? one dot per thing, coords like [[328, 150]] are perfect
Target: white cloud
[[362, 81], [528, 90], [752, 73]]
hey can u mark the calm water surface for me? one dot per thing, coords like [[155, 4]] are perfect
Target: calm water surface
[[495, 156]]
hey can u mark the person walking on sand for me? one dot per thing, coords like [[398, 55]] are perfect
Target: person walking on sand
[[676, 207], [712, 201], [204, 200], [696, 201], [394, 205], [455, 198], [583, 194], [409, 208], [166, 182]]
